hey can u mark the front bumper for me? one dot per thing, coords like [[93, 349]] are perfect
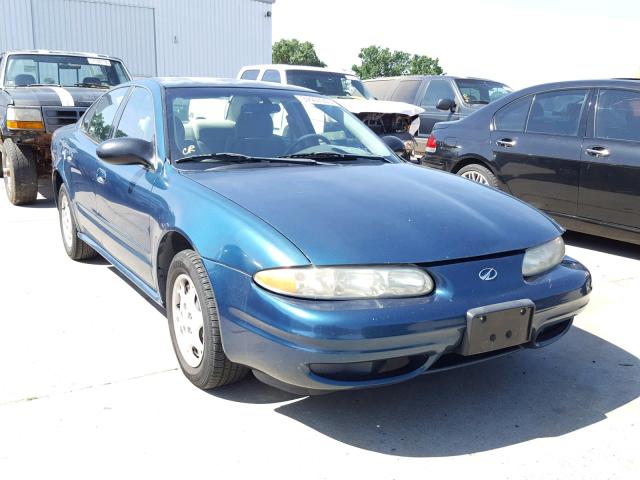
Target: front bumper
[[337, 345]]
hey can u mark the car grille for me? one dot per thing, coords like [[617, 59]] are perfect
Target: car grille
[[56, 117]]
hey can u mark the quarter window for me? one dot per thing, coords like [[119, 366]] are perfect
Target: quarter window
[[250, 75], [271, 76], [99, 123], [137, 119], [618, 115], [557, 113], [437, 90], [513, 117]]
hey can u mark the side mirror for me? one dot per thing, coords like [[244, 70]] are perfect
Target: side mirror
[[126, 151], [395, 144], [446, 104]]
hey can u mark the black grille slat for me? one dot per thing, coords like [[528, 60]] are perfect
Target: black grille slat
[[56, 117]]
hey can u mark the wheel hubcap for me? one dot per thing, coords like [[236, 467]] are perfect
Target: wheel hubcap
[[475, 176], [188, 322], [65, 219]]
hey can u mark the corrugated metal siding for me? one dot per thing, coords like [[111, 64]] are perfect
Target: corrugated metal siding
[[15, 25], [98, 27], [191, 37]]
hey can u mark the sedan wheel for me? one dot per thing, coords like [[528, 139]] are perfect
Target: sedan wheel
[[479, 174], [194, 325]]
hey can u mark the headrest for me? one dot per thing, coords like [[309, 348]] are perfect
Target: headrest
[[254, 125], [24, 79], [268, 108]]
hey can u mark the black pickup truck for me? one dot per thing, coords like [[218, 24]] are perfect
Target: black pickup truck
[[39, 92]]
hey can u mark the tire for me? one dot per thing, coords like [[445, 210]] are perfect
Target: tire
[[22, 182], [479, 174], [75, 248], [195, 332]]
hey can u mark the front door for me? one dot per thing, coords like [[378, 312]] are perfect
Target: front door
[[123, 192], [540, 162], [610, 176], [437, 90]]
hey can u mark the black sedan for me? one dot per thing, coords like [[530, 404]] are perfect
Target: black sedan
[[571, 149]]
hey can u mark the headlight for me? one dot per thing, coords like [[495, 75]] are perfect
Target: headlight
[[343, 283], [542, 258], [24, 118]]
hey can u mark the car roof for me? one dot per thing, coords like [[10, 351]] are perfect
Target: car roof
[[59, 52], [175, 82], [282, 66], [601, 83]]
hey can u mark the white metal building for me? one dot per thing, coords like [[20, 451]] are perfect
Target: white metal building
[[153, 37]]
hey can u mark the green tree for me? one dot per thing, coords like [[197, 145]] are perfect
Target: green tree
[[382, 62], [294, 52]]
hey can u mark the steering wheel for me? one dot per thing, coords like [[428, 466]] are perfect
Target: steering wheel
[[306, 138]]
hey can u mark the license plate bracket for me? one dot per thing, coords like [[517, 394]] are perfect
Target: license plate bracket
[[494, 327]]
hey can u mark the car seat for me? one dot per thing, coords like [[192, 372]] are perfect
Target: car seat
[[24, 79], [254, 132]]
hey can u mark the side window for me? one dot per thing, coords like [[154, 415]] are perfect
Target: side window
[[437, 90], [618, 115], [250, 75], [99, 124], [271, 76], [557, 113], [513, 117], [406, 91], [137, 119]]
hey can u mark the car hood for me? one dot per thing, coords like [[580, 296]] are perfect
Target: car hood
[[382, 213], [54, 96], [358, 106]]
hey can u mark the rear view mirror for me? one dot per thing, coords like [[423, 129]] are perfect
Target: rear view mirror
[[446, 104], [126, 151], [395, 144]]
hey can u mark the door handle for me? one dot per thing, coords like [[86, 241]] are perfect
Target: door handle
[[506, 142], [597, 151], [101, 176]]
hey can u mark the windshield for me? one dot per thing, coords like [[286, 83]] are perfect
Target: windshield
[[481, 91], [63, 70], [264, 123], [329, 83]]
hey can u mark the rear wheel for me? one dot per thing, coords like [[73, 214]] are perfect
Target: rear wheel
[[479, 174], [20, 173], [194, 325], [75, 248]]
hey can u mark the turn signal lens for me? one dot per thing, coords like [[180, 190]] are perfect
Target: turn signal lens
[[344, 283], [24, 118]]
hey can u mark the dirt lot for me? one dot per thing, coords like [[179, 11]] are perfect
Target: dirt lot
[[89, 388]]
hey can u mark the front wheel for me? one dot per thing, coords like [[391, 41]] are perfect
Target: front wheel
[[194, 325], [20, 173], [479, 174]]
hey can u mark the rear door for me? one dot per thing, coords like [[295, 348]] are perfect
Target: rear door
[[437, 89], [540, 163], [610, 170], [123, 192]]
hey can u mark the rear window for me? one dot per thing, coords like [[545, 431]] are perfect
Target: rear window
[[406, 91], [481, 91], [380, 88]]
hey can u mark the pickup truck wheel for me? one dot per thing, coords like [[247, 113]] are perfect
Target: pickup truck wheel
[[194, 326], [479, 174], [21, 174], [75, 248]]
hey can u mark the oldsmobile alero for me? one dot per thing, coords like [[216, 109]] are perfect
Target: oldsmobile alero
[[284, 237]]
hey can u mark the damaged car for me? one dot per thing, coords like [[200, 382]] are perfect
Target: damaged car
[[385, 118], [41, 91]]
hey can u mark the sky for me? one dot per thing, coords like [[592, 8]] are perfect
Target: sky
[[518, 42]]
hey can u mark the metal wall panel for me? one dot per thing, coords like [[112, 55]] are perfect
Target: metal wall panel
[[121, 30], [191, 37]]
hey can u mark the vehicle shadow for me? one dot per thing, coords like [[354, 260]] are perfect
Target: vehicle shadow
[[45, 197], [601, 244], [532, 394]]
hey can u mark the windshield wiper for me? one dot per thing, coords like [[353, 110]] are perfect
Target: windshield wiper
[[337, 156], [89, 85], [239, 158]]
